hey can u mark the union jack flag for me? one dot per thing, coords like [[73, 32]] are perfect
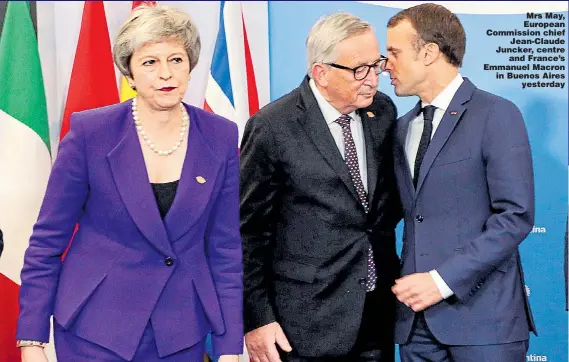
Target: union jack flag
[[238, 81]]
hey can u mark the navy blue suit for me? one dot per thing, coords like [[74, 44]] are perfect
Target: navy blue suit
[[473, 206]]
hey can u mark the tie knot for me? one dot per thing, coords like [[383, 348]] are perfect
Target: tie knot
[[428, 113], [344, 120]]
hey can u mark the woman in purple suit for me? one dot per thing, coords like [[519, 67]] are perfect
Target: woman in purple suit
[[156, 263]]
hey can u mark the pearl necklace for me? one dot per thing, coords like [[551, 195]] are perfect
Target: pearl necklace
[[183, 127]]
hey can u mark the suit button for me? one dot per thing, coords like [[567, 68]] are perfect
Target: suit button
[[362, 281], [419, 218], [369, 231], [169, 261]]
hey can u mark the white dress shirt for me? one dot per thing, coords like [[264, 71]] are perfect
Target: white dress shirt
[[331, 114], [441, 101]]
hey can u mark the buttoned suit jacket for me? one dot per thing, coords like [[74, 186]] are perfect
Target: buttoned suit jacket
[[126, 265], [473, 206], [305, 233]]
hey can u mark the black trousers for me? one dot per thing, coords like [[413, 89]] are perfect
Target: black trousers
[[374, 342]]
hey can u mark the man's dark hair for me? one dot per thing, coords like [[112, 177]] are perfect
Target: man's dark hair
[[435, 24]]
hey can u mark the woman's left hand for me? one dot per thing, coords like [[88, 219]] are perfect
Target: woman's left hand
[[229, 358]]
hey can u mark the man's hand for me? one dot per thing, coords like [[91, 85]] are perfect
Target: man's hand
[[260, 343], [417, 291], [33, 354]]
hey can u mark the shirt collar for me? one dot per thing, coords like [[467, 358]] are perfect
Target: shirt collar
[[443, 99], [330, 113]]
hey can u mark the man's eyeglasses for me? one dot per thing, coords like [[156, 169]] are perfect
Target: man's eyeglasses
[[361, 71]]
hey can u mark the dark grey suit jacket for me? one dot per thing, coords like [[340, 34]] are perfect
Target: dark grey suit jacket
[[305, 233]]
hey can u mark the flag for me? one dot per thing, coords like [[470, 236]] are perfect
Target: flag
[[234, 88], [93, 81], [238, 81], [126, 91], [25, 160]]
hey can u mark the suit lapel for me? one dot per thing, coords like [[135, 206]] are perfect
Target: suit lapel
[[449, 121], [314, 124], [375, 132], [131, 179], [199, 173], [371, 132]]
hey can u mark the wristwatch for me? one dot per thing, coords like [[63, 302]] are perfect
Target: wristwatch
[[30, 343]]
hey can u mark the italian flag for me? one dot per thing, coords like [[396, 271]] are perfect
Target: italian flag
[[25, 159]]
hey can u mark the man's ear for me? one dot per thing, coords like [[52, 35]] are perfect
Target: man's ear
[[320, 74], [432, 53]]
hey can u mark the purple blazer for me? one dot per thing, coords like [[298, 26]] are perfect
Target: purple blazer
[[125, 265]]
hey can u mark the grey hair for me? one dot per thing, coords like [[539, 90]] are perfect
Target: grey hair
[[328, 31], [150, 24]]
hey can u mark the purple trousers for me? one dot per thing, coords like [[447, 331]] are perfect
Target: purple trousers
[[71, 348]]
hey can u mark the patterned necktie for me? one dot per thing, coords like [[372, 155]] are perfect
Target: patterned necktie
[[428, 113], [351, 158]]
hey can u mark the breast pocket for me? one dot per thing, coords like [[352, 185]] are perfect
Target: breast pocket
[[452, 157]]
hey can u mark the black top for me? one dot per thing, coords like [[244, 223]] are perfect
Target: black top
[[164, 193]]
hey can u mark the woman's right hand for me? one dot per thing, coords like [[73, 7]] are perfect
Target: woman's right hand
[[33, 354]]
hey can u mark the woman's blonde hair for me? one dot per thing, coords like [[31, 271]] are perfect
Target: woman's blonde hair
[[150, 24]]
